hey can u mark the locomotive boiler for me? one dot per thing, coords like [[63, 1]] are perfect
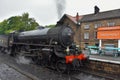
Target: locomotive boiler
[[47, 46], [59, 35]]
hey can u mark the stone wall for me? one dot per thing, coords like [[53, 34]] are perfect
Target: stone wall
[[105, 68]]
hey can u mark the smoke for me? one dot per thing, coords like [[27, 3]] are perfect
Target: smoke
[[60, 5]]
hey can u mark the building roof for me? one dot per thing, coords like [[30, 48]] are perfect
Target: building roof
[[101, 15], [72, 18]]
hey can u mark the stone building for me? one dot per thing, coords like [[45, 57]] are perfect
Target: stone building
[[85, 26], [90, 23]]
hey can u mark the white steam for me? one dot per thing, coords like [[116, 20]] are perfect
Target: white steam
[[60, 5], [23, 60]]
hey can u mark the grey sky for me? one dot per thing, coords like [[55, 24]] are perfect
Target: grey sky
[[44, 11]]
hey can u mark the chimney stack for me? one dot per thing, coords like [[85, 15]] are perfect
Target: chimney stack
[[77, 17], [96, 10]]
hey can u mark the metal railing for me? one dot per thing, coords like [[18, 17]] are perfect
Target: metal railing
[[101, 50]]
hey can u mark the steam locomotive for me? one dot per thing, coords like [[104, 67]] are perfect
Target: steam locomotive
[[47, 46]]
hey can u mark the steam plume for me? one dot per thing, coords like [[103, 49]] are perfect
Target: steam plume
[[60, 5], [23, 60]]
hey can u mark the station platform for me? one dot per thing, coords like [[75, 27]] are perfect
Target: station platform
[[105, 58], [108, 57], [105, 64]]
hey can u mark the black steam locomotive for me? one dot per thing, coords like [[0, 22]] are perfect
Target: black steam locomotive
[[46, 46]]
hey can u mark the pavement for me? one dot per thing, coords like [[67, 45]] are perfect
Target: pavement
[[8, 70], [8, 73]]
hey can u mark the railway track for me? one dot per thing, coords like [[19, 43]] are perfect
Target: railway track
[[94, 74], [39, 73], [76, 76], [88, 75]]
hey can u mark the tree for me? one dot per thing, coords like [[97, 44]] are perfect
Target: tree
[[50, 26], [18, 23]]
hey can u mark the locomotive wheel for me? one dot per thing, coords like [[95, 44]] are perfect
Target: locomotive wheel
[[61, 66], [37, 60]]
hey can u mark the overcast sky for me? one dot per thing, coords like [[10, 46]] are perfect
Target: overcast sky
[[45, 11]]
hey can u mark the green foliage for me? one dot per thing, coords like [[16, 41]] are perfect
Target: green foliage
[[18, 23], [50, 26]]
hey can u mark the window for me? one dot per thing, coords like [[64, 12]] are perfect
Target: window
[[86, 35], [111, 23], [97, 25], [86, 27]]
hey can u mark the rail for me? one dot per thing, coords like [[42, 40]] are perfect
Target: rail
[[102, 50]]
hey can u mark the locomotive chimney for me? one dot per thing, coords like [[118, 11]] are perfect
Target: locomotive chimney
[[96, 9]]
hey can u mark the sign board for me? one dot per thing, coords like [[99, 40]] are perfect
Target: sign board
[[108, 32]]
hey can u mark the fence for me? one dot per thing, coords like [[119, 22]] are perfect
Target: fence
[[102, 50]]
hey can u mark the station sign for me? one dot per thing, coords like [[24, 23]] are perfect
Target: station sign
[[108, 32]]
